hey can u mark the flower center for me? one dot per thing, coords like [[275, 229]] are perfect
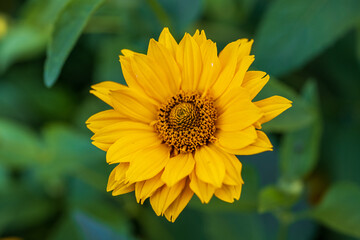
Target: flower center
[[186, 122], [183, 116]]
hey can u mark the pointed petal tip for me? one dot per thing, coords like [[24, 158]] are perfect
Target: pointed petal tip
[[87, 122], [165, 33], [171, 218], [127, 53], [282, 99], [109, 187], [152, 41], [165, 30]]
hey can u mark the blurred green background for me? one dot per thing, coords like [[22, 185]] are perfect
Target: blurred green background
[[53, 181]]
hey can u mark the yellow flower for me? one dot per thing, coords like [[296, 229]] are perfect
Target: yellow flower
[[175, 129]]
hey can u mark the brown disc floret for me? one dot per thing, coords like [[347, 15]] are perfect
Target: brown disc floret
[[186, 122]]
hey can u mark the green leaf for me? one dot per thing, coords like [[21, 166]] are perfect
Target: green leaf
[[36, 102], [107, 61], [13, 47], [66, 229], [182, 13], [67, 30], [66, 152], [43, 13], [224, 10], [99, 218], [358, 43], [153, 226], [34, 25], [221, 32], [233, 226], [21, 208], [65, 140], [192, 221], [296, 117], [4, 178], [300, 149], [340, 209], [272, 199], [80, 225], [293, 32], [340, 158], [13, 137]]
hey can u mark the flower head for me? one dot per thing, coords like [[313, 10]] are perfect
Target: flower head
[[185, 114]]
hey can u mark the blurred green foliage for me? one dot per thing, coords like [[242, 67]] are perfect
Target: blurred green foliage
[[53, 181]]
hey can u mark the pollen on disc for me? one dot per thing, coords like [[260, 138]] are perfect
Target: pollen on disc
[[186, 122], [184, 116]]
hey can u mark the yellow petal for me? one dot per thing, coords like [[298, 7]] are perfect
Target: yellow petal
[[232, 96], [128, 72], [196, 35], [189, 58], [244, 49], [179, 204], [164, 196], [123, 188], [117, 176], [232, 168], [152, 78], [128, 53], [261, 144], [168, 41], [235, 60], [147, 163], [102, 90], [120, 171], [113, 132], [236, 139], [227, 53], [211, 66], [134, 105], [145, 189], [237, 118], [228, 193], [200, 38], [236, 111], [111, 181], [103, 119], [272, 107], [242, 67], [131, 74], [209, 166], [178, 168], [254, 81], [167, 62], [203, 190], [228, 60], [102, 146], [124, 148]]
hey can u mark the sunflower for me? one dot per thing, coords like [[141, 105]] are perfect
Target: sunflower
[[185, 113]]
